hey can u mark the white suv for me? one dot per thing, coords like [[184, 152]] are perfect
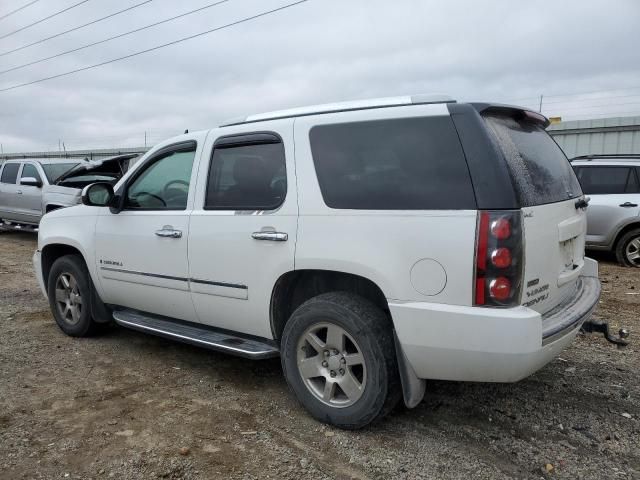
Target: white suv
[[371, 244]]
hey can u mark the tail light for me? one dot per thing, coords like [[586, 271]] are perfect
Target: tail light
[[498, 268]]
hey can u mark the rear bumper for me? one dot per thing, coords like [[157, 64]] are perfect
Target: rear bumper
[[490, 345]]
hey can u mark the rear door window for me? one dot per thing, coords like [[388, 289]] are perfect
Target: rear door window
[[538, 167], [10, 173], [247, 177], [600, 180], [397, 164]]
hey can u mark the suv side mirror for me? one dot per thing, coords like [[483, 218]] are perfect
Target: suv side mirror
[[30, 182], [98, 195]]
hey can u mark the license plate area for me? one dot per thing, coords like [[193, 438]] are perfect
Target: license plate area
[[568, 254]]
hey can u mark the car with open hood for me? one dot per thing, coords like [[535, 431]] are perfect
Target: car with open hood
[[29, 188]]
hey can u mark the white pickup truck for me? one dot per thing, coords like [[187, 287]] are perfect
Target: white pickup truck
[[371, 245]]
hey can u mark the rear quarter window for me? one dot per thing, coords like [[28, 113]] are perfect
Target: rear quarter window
[[397, 164], [539, 169]]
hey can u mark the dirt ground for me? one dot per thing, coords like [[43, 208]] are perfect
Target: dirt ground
[[123, 405]]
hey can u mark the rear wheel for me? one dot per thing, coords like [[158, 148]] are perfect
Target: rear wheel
[[628, 249], [338, 357], [69, 290]]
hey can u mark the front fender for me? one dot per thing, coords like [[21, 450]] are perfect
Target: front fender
[[59, 196], [73, 227]]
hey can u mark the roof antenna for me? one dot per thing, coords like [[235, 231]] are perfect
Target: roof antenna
[[186, 131]]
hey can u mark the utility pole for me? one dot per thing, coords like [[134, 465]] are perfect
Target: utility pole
[[540, 107], [145, 139]]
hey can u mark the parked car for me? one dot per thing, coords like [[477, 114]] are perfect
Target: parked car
[[613, 216], [30, 188], [371, 244]]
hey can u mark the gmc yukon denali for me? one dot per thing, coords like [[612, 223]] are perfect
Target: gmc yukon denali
[[371, 245]]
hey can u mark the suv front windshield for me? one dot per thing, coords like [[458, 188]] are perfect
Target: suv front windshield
[[54, 171]]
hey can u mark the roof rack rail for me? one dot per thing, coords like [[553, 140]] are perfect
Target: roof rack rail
[[604, 156], [421, 99]]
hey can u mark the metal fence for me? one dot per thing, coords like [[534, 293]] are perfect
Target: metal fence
[[619, 135], [90, 154]]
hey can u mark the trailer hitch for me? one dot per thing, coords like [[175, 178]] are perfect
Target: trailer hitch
[[591, 326]]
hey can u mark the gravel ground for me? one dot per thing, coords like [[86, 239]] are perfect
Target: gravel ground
[[129, 406]]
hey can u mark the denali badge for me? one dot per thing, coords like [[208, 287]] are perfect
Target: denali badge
[[111, 262]]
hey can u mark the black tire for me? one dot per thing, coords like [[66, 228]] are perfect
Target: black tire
[[371, 330], [625, 242], [72, 266]]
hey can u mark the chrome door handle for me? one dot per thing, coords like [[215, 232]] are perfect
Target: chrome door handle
[[168, 232], [271, 236], [628, 204], [19, 192]]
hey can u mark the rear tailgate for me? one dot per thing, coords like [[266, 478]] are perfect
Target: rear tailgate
[[553, 253], [554, 226]]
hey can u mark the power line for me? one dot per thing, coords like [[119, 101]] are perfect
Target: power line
[[120, 35], [18, 9], [157, 47], [75, 28], [571, 95], [43, 19]]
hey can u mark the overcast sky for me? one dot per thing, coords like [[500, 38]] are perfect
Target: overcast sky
[[316, 52]]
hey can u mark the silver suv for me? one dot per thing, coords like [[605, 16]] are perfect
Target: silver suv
[[613, 216], [30, 188]]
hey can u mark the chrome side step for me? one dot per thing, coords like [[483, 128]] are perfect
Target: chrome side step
[[198, 335]]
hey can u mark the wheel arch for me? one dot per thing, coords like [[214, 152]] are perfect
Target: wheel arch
[[634, 224], [50, 207], [51, 252], [297, 286]]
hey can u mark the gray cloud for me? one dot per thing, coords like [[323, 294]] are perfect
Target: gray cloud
[[320, 51]]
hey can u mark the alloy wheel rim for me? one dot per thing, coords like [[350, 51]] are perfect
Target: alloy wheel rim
[[633, 252], [331, 365], [68, 299]]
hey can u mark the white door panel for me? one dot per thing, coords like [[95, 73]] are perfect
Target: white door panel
[[141, 252], [233, 274], [141, 270]]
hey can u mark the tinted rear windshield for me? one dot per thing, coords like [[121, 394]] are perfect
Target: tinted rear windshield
[[396, 164], [538, 167]]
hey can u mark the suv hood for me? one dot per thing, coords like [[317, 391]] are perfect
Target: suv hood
[[117, 165]]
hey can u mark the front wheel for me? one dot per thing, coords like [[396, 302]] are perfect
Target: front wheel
[[69, 290], [338, 357], [628, 249]]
